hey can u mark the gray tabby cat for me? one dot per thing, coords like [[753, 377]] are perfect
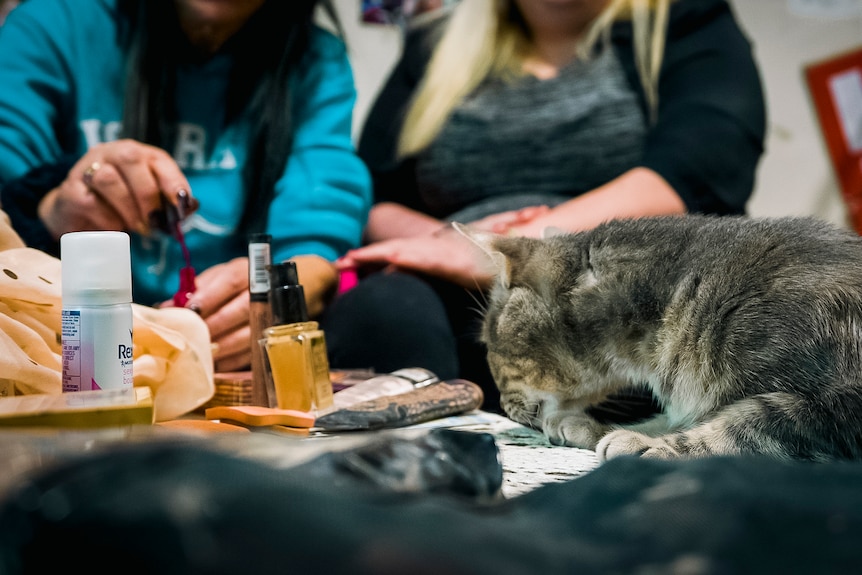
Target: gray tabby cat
[[747, 331]]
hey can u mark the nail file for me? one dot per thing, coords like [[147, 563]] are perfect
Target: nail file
[[256, 416], [203, 426]]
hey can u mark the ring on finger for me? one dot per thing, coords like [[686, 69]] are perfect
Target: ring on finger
[[90, 172]]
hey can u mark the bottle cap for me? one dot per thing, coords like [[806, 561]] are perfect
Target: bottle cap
[[95, 268], [287, 298], [259, 238]]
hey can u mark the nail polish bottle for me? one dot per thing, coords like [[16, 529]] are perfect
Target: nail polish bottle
[[260, 314], [295, 346]]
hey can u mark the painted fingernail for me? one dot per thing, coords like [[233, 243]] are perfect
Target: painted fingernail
[[182, 204], [186, 202]]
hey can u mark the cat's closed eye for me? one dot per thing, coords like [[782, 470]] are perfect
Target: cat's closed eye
[[588, 277]]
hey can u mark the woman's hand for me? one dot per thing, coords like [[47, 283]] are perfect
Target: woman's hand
[[445, 253], [117, 185], [448, 255], [221, 299], [503, 222]]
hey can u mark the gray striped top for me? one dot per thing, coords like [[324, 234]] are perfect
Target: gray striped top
[[532, 141]]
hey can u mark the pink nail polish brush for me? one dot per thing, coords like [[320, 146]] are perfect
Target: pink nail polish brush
[[187, 272]]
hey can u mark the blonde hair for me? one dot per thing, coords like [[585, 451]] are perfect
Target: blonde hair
[[482, 39]]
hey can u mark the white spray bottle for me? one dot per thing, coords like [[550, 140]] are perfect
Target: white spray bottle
[[97, 311]]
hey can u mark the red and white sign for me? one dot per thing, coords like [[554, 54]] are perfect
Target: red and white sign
[[836, 90]]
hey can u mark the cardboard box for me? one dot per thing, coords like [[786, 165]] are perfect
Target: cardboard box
[[79, 409]]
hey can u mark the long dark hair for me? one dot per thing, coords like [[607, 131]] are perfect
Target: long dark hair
[[267, 51]]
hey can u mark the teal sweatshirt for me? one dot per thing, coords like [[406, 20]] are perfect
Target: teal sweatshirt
[[61, 92]]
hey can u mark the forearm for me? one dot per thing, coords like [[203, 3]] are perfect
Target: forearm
[[637, 193], [22, 198], [388, 220]]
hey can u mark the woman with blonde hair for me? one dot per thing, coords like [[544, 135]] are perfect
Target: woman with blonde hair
[[521, 115]]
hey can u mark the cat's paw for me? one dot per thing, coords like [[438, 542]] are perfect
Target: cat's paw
[[624, 442], [572, 430]]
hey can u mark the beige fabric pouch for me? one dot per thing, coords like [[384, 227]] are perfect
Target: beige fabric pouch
[[172, 351]]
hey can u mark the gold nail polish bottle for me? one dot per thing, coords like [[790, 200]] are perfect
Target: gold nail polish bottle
[[295, 346]]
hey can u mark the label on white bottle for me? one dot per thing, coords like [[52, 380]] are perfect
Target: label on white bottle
[[97, 347]]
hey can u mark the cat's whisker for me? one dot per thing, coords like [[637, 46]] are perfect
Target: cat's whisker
[[477, 286], [534, 410], [482, 304]]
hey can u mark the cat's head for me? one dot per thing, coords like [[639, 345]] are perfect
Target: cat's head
[[544, 320]]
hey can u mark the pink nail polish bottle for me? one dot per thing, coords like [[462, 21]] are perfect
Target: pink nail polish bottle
[[347, 280]]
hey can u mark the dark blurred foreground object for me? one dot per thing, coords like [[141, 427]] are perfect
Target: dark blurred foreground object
[[174, 509], [443, 461]]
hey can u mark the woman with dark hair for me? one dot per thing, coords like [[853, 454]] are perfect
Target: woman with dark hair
[[236, 113]]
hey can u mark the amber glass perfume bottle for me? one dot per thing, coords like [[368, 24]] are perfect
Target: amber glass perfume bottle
[[295, 346]]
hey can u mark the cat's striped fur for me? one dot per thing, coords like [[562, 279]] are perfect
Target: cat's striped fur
[[747, 331]]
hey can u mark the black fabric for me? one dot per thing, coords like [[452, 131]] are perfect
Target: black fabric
[[709, 135], [179, 510], [20, 200], [361, 326]]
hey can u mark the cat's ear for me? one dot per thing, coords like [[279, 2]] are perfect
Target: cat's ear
[[511, 255], [486, 242]]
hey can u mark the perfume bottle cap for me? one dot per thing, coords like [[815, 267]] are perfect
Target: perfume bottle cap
[[287, 297], [95, 268]]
